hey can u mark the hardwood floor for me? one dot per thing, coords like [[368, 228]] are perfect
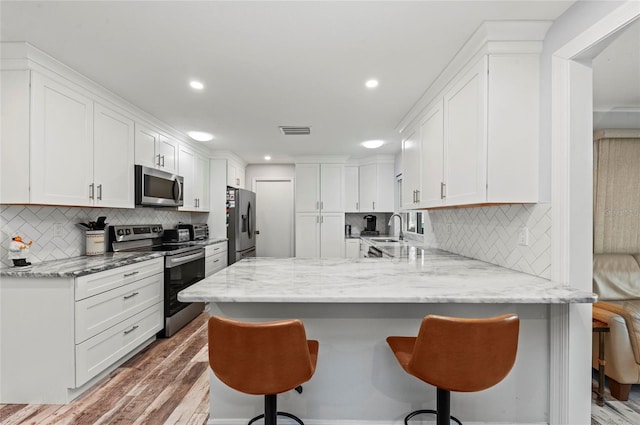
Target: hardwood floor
[[616, 412], [167, 383]]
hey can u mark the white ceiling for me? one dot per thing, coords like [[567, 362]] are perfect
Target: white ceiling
[[265, 64]]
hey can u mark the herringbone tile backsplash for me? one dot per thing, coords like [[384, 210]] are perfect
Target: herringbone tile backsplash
[[491, 234], [36, 223]]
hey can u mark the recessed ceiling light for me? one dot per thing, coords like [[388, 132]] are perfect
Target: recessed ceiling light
[[372, 84], [372, 144], [267, 158], [200, 136], [196, 85]]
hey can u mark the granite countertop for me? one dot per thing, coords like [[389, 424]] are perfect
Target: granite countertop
[[406, 249], [434, 276], [79, 266]]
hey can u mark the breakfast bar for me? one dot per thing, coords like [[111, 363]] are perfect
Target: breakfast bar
[[351, 305]]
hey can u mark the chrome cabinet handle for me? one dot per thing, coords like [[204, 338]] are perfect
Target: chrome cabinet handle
[[100, 192], [158, 162], [131, 330], [357, 206], [321, 205], [443, 190], [131, 274], [162, 161], [126, 297], [374, 205], [91, 191]]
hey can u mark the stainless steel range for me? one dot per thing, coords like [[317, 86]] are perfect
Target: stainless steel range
[[183, 266]]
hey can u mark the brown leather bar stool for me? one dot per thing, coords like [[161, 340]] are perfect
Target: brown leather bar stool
[[456, 354], [262, 359]]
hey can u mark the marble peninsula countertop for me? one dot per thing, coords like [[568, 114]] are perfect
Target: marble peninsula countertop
[[434, 276]]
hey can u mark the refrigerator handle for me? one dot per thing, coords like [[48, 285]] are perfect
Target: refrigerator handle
[[250, 233]]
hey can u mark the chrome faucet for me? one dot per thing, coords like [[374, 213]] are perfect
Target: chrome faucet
[[401, 235]]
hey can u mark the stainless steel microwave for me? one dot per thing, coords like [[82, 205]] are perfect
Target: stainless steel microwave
[[157, 188]]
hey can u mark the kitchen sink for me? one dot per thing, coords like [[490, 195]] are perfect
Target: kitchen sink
[[384, 240]]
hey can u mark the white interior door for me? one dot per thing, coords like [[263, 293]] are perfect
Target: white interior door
[[274, 218]]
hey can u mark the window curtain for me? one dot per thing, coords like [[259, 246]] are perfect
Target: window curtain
[[616, 217]]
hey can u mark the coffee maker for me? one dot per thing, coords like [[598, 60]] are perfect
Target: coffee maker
[[370, 227]]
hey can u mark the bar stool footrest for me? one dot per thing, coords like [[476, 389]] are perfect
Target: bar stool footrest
[[421, 411], [286, 414]]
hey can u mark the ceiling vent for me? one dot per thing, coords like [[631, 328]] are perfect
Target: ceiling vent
[[295, 131]]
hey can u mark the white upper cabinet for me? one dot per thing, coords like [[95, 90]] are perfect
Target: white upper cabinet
[[195, 171], [478, 142], [235, 175], [155, 150], [432, 156], [319, 187], [61, 163], [473, 138], [351, 189], [376, 186], [465, 136], [113, 150], [411, 183]]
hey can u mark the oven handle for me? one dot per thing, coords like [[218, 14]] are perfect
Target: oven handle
[[180, 260]]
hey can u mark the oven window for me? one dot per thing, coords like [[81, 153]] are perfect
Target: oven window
[[178, 278]]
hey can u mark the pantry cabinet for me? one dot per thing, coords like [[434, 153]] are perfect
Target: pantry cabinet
[[351, 189], [319, 187], [195, 170], [320, 235], [155, 150], [477, 142]]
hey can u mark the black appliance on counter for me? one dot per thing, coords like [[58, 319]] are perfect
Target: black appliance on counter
[[197, 232], [183, 266], [370, 227]]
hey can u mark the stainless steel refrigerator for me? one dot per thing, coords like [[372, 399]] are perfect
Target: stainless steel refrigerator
[[241, 224]]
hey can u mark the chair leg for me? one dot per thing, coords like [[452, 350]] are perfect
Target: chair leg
[[270, 412]]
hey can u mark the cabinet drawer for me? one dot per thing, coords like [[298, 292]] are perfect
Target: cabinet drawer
[[98, 353], [215, 249], [214, 263], [93, 284], [98, 313]]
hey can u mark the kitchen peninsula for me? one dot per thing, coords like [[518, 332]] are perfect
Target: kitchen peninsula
[[352, 305]]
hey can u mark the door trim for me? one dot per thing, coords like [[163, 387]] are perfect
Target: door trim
[[254, 188]]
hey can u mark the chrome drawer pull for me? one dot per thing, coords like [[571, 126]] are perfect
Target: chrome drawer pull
[[126, 297], [131, 330], [131, 274]]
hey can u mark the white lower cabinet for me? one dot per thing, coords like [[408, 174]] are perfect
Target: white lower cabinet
[[352, 248], [215, 258], [319, 235], [59, 335]]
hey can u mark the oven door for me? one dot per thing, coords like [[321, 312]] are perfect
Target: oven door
[[181, 271]]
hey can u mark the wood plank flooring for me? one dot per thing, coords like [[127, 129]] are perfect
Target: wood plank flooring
[[167, 383]]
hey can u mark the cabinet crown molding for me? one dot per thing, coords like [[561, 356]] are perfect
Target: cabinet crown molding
[[229, 156], [325, 159], [491, 37]]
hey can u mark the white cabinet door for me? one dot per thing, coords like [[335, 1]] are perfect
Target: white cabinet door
[[61, 144], [411, 170], [351, 189], [385, 179], [202, 183], [432, 144], [368, 187], [331, 185], [332, 235], [146, 140], [167, 150], [186, 168], [307, 187], [352, 248], [113, 146], [307, 235], [465, 138]]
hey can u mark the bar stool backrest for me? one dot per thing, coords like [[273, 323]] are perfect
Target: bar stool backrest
[[464, 355], [260, 358]]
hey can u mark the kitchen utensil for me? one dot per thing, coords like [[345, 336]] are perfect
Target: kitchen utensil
[[100, 224]]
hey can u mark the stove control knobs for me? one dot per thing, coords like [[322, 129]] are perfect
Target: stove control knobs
[[128, 231], [120, 232]]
